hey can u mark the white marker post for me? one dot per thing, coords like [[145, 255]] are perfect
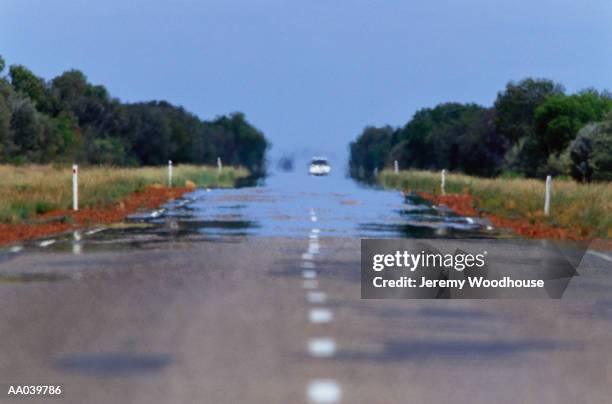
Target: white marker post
[[75, 187], [396, 167], [443, 182], [219, 165], [548, 195], [169, 173]]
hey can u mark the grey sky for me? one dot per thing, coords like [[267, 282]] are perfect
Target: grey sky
[[312, 74]]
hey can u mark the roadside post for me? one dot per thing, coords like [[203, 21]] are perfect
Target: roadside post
[[75, 187], [169, 173], [548, 195], [396, 167], [219, 165], [443, 182]]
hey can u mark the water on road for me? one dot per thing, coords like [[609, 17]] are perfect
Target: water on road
[[280, 206]]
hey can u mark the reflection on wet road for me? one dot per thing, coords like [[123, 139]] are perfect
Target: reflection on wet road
[[279, 206]]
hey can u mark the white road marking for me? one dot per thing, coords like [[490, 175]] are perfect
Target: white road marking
[[321, 347], [46, 243], [320, 315], [310, 284], [16, 248], [600, 255], [307, 256], [313, 249], [324, 391], [308, 265], [309, 274], [313, 236], [316, 297], [313, 218], [315, 231]]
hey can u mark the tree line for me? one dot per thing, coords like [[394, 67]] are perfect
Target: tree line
[[533, 129], [68, 119]]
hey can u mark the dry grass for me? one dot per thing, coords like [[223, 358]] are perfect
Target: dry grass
[[587, 207], [26, 191]]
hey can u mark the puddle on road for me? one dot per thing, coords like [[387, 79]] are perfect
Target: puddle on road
[[278, 206], [281, 206]]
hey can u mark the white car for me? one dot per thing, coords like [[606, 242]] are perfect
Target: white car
[[319, 166]]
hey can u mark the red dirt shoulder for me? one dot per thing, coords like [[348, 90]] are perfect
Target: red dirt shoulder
[[149, 198]]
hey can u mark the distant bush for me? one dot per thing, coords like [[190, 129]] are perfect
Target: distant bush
[[68, 119], [527, 132], [591, 153]]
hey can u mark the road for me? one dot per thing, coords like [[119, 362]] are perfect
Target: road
[[253, 296]]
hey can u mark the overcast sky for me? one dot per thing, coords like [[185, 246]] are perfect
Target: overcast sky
[[311, 74]]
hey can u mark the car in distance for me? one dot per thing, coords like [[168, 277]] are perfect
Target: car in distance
[[319, 166]]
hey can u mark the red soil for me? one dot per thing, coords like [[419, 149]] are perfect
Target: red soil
[[147, 199], [463, 204]]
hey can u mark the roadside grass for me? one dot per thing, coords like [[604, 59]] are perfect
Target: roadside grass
[[28, 191], [586, 207]]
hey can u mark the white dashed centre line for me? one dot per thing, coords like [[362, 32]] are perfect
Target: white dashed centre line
[[309, 274], [324, 391], [320, 315], [316, 297], [321, 347], [319, 390]]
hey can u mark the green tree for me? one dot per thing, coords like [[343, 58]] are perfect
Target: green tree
[[560, 117], [431, 139], [26, 127], [24, 81], [515, 106], [6, 134], [70, 119], [371, 150], [591, 152], [238, 142], [481, 148]]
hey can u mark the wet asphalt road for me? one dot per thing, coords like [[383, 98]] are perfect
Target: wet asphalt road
[[253, 296]]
